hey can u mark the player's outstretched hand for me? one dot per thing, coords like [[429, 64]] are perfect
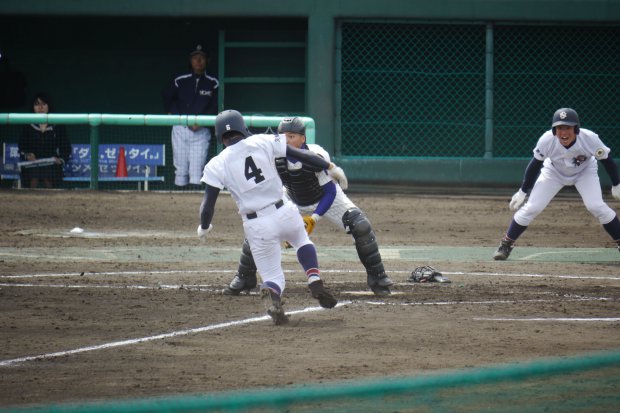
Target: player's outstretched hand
[[615, 191], [337, 173], [517, 200], [202, 233]]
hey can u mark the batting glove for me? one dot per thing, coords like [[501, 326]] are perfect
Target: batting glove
[[337, 173], [615, 191], [202, 233], [517, 200]]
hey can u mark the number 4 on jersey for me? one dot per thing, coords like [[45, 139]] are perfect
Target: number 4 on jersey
[[252, 171]]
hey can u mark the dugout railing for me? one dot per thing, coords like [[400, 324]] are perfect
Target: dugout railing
[[95, 137]]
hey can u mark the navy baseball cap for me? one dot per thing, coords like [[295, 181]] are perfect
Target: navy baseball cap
[[198, 50]]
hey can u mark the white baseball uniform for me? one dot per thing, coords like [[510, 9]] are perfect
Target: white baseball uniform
[[247, 169], [562, 166]]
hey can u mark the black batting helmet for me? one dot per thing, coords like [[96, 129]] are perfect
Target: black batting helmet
[[294, 125], [230, 121], [565, 116]]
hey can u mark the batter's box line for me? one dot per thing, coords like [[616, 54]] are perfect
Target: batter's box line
[[482, 302], [560, 319], [121, 343], [324, 271]]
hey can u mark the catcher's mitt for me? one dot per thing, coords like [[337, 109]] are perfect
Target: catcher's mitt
[[309, 224], [427, 274]]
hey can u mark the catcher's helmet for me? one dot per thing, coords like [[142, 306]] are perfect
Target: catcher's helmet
[[230, 121], [565, 116], [294, 125]]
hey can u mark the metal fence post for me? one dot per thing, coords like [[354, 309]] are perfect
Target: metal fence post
[[94, 156], [488, 101]]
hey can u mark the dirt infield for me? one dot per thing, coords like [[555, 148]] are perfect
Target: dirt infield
[[132, 306]]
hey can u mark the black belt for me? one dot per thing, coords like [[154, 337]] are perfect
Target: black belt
[[278, 205]]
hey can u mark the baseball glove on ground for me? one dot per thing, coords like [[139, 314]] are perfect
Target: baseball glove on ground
[[426, 274]]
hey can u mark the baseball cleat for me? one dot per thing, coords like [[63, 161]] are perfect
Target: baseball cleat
[[380, 284], [325, 298], [273, 304], [503, 251], [240, 283], [381, 291]]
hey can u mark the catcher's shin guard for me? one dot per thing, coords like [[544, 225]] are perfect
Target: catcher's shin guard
[[357, 224], [245, 279]]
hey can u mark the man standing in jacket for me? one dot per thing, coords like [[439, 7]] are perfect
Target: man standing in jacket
[[192, 93]]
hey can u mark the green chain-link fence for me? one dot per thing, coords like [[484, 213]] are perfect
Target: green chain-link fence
[[420, 89], [587, 383]]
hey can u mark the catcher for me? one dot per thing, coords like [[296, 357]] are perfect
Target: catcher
[[317, 196]]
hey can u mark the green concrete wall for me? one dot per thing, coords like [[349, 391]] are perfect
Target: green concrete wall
[[114, 57], [469, 172]]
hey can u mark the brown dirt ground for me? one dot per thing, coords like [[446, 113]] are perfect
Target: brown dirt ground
[[407, 333]]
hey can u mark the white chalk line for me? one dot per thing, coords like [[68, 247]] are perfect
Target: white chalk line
[[129, 273], [121, 343], [503, 274], [561, 319], [250, 320], [107, 254], [229, 271], [209, 289], [484, 302], [265, 317]]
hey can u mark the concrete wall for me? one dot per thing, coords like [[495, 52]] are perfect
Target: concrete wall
[[138, 41]]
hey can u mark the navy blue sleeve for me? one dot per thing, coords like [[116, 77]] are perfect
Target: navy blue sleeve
[[531, 173], [612, 170], [211, 108], [306, 157], [329, 194], [207, 207]]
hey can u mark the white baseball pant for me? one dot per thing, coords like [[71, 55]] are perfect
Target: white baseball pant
[[549, 184], [265, 235], [189, 153]]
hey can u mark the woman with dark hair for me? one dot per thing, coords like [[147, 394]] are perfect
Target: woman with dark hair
[[43, 141]]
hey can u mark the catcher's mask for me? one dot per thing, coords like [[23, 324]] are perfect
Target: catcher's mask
[[565, 116], [292, 125], [230, 121]]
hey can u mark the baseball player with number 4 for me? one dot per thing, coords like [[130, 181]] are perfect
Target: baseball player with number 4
[[317, 196], [246, 167], [565, 155]]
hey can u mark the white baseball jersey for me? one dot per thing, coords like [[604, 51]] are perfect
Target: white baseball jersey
[[247, 170], [563, 166], [568, 162]]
